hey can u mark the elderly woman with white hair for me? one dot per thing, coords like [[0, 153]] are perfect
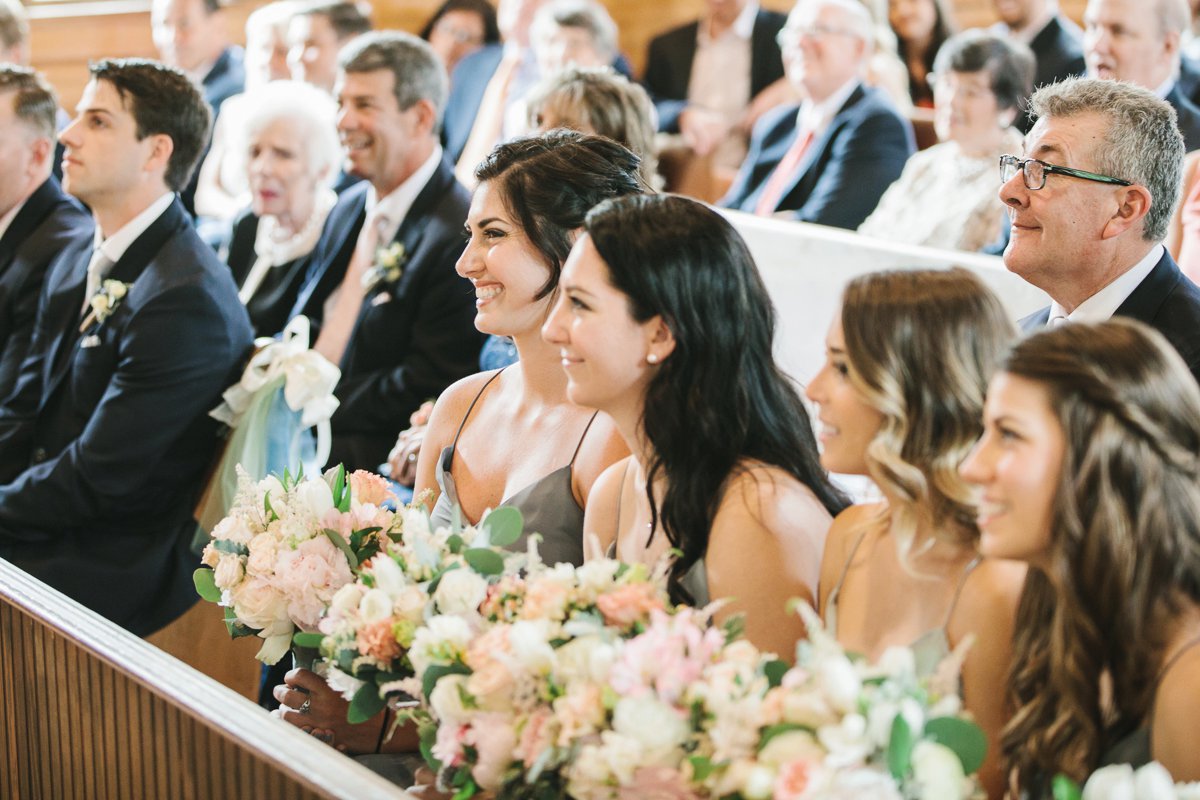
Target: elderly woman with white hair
[[291, 152]]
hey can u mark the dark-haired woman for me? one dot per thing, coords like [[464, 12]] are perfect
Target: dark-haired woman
[[1089, 472], [921, 27], [510, 436], [664, 324], [459, 28]]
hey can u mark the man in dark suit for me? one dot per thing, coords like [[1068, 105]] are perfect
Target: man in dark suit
[[732, 29], [1056, 41], [830, 159], [316, 32], [1088, 228], [36, 219], [1126, 40], [391, 310], [106, 437]]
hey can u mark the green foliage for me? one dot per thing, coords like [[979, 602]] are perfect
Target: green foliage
[[1063, 788], [900, 747], [437, 672], [230, 548], [774, 672], [771, 731], [303, 639], [341, 490], [206, 585], [236, 629], [503, 526], [366, 704], [484, 561], [341, 544], [964, 738]]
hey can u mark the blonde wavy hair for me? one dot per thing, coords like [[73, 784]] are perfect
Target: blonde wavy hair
[[921, 346], [1124, 551]]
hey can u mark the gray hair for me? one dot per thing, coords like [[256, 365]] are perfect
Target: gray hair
[[34, 101], [312, 112], [418, 71], [1174, 16], [1142, 143], [585, 15], [858, 18]]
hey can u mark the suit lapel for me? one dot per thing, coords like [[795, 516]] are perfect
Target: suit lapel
[[1148, 296], [818, 147], [39, 204], [62, 312]]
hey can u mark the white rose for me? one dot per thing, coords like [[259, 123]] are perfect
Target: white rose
[[585, 659], [315, 497], [759, 784], [410, 604], [659, 728], [258, 605], [229, 571], [388, 575], [1153, 782], [791, 746], [838, 680], [460, 591], [264, 550], [1110, 783], [347, 598], [530, 647], [234, 529], [446, 699], [938, 772], [375, 606]]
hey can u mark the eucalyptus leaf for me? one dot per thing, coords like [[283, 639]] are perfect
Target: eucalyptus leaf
[[366, 704], [1063, 788], [484, 561], [206, 584], [503, 526], [702, 767], [437, 672], [964, 738], [900, 747], [230, 547], [306, 639], [774, 672], [236, 629], [340, 544]]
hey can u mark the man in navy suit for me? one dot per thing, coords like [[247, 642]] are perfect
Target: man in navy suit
[[390, 308], [36, 219], [705, 100], [830, 159], [106, 437], [1090, 213], [1126, 40]]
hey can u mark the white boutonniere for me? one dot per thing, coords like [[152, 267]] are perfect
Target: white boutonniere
[[387, 269], [104, 302]]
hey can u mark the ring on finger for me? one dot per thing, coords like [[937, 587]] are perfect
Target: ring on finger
[[303, 709]]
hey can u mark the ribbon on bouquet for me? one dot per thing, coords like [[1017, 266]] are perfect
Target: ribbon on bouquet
[[285, 390]]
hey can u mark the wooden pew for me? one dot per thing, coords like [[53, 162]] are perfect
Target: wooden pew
[[88, 710]]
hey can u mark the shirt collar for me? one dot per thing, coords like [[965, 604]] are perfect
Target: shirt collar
[[1104, 303], [6, 220], [396, 205], [742, 27], [816, 117], [115, 246]]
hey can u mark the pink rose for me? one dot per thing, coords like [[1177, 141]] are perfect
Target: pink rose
[[493, 738], [537, 736], [629, 603], [367, 487], [545, 600], [448, 748], [794, 779]]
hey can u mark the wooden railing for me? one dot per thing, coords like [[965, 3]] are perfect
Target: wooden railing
[[88, 710]]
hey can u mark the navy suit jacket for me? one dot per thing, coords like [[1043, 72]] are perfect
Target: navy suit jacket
[[1188, 115], [412, 339], [844, 172], [669, 65], [1058, 50], [107, 437], [1166, 300], [48, 222]]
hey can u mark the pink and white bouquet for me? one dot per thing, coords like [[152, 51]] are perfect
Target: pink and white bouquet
[[277, 560], [1122, 782], [426, 575], [834, 727]]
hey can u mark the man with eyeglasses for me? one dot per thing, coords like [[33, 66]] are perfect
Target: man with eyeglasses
[[1089, 204], [829, 159]]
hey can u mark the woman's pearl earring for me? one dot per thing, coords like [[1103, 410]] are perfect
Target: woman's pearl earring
[[652, 359]]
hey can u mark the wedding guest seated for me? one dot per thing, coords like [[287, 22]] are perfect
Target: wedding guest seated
[[291, 152], [906, 570], [14, 33], [830, 159], [713, 78], [192, 35], [1091, 205], [946, 196], [664, 324], [511, 437], [37, 221], [1087, 472], [1127, 41], [459, 28], [107, 435], [1183, 237], [317, 32], [221, 189], [921, 28], [382, 289], [1056, 41]]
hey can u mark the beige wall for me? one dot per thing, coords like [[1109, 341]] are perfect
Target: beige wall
[[64, 43]]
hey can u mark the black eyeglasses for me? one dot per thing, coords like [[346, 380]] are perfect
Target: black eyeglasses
[[1034, 172]]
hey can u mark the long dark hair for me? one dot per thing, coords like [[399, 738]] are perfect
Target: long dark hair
[[482, 8], [550, 181], [719, 400], [1124, 554]]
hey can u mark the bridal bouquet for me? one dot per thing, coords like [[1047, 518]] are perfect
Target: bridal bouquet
[[368, 634], [277, 560], [1123, 782], [834, 726]]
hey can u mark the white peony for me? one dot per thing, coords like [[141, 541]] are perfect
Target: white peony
[[347, 598], [938, 772], [657, 727], [460, 591], [446, 700]]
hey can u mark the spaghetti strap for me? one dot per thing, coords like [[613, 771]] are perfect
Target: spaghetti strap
[[1162, 673], [471, 407], [620, 493], [581, 438], [837, 587], [962, 580]]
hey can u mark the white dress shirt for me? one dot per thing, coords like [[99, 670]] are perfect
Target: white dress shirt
[[1104, 303], [395, 206]]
